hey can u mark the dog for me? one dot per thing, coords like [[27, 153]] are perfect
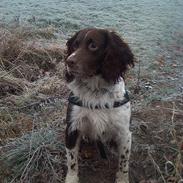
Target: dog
[[99, 106]]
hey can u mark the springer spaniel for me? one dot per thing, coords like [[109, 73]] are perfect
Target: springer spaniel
[[98, 108]]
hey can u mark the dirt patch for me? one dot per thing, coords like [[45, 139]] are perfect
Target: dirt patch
[[158, 142]]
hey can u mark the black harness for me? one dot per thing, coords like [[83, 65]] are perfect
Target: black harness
[[76, 101]]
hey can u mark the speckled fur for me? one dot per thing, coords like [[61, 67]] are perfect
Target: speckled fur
[[104, 124]]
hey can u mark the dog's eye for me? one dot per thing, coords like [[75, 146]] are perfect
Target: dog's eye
[[92, 46], [75, 45]]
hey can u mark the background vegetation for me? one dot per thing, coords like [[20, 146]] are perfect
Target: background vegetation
[[33, 95]]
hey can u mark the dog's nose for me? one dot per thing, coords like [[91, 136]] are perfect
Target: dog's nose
[[71, 61]]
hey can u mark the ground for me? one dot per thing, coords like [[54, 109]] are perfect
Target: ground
[[33, 101]]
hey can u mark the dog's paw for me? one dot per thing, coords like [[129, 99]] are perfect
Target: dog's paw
[[119, 180], [72, 178], [122, 181]]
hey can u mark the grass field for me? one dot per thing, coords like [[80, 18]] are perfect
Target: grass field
[[33, 94], [33, 99]]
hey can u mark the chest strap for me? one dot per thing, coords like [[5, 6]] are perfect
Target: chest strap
[[76, 101]]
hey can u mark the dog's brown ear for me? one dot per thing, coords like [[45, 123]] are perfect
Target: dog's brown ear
[[118, 58]]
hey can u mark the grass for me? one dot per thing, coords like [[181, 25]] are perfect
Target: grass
[[25, 67], [30, 80], [34, 157], [26, 59], [33, 108], [161, 131]]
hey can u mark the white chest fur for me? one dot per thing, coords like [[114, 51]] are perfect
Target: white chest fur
[[100, 123]]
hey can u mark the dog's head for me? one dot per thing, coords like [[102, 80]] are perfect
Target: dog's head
[[97, 51]]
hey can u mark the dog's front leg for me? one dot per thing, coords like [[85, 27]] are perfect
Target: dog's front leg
[[72, 142], [72, 149], [124, 148]]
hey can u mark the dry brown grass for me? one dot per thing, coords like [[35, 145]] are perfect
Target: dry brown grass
[[27, 59], [33, 107], [28, 74], [31, 85], [158, 141]]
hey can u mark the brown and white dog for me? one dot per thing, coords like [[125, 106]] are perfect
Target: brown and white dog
[[96, 62]]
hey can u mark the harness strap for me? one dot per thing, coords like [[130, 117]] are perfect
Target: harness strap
[[76, 101]]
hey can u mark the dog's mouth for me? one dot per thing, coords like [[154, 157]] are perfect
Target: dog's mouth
[[77, 73], [73, 72]]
